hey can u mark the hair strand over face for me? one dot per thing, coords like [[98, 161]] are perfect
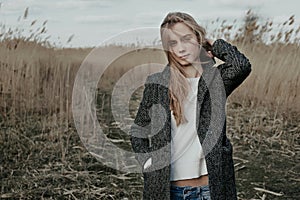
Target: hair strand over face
[[178, 85]]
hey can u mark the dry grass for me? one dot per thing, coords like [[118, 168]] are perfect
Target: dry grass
[[42, 159], [266, 152], [35, 78], [274, 81]]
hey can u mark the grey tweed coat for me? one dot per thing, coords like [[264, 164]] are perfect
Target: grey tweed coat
[[151, 131]]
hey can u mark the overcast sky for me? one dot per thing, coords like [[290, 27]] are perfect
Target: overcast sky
[[93, 21]]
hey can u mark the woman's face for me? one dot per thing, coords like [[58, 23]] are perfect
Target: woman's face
[[183, 44]]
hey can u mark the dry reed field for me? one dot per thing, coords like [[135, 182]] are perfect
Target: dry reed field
[[42, 156]]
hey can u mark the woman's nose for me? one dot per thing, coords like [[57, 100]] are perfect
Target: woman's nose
[[181, 47]]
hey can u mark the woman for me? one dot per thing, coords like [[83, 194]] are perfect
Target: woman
[[179, 133]]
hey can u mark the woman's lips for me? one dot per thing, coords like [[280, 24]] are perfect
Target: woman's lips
[[184, 56]]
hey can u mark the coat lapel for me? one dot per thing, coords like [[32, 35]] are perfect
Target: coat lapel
[[212, 99], [205, 79]]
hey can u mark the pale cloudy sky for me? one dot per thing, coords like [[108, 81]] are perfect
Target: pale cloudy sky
[[93, 21]]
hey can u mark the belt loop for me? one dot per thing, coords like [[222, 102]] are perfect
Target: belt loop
[[199, 189], [185, 191]]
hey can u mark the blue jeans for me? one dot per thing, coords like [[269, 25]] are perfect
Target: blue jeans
[[189, 192]]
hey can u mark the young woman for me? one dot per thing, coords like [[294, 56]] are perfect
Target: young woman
[[179, 133]]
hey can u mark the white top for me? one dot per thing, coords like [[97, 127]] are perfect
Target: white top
[[187, 158]]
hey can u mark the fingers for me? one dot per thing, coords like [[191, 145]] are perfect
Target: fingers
[[209, 53]]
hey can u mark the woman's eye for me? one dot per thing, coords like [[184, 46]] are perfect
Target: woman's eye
[[186, 39], [172, 43]]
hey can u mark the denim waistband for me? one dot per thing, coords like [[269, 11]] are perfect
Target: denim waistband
[[186, 189]]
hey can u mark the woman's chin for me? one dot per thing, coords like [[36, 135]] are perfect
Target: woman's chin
[[185, 63]]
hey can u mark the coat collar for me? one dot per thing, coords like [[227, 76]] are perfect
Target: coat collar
[[167, 71], [205, 78]]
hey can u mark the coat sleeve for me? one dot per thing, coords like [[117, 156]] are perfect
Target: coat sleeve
[[236, 66], [140, 129]]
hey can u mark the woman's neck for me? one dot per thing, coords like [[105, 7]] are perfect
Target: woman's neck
[[192, 72]]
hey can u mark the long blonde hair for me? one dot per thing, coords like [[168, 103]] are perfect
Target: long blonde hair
[[178, 85]]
